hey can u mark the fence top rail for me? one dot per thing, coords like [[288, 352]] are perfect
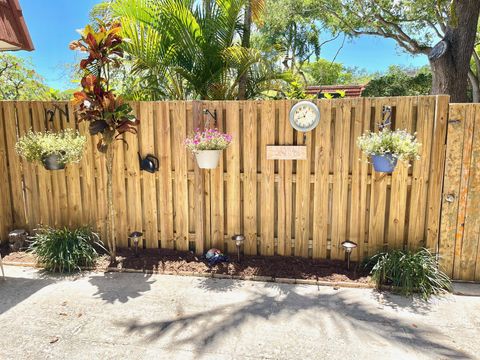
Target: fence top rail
[[333, 101]]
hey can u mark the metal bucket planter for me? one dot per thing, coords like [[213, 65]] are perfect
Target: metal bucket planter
[[53, 162], [385, 163], [208, 159]]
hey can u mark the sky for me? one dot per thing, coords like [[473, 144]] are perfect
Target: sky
[[53, 24]]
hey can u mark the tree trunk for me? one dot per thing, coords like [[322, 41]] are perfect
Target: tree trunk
[[450, 70], [247, 31], [110, 224]]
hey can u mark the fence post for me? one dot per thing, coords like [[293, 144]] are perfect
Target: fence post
[[199, 187]]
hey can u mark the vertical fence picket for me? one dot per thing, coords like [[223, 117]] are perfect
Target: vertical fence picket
[[6, 216], [437, 164], [133, 188], [217, 185], [15, 170], [149, 188], [302, 197], [165, 193], [287, 134], [399, 187], [250, 176], [340, 177], [321, 180], [61, 190], [378, 198], [284, 208], [87, 171], [358, 193], [420, 172], [199, 188], [267, 137], [72, 177], [181, 182], [232, 154], [28, 168], [44, 176]]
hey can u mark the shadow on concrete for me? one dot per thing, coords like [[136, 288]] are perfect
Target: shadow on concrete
[[411, 303], [343, 313], [15, 290], [112, 287], [217, 285]]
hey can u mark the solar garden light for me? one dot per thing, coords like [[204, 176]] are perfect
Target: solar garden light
[[348, 246], [239, 239], [135, 236]]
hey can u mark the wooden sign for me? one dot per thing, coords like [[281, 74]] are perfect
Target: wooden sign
[[286, 152]]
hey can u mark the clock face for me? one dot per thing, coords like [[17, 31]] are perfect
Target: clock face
[[304, 116]]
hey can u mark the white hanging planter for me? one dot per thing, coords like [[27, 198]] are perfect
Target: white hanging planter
[[207, 159]]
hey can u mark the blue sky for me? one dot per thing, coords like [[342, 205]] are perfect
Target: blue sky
[[53, 24]]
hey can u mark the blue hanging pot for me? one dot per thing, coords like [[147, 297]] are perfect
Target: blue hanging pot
[[385, 163]]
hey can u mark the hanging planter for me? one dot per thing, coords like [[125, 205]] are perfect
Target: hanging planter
[[53, 162], [384, 163], [207, 146], [208, 159], [386, 147], [53, 150]]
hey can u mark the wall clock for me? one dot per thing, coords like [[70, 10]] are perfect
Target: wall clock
[[304, 116]]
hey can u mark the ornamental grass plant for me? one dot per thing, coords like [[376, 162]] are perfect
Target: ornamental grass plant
[[409, 272], [65, 250]]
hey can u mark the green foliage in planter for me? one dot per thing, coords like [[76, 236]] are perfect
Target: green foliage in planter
[[65, 250], [400, 143], [409, 272], [68, 144]]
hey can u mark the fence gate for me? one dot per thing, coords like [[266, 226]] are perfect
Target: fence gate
[[460, 225]]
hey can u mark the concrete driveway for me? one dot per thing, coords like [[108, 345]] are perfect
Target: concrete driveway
[[137, 316]]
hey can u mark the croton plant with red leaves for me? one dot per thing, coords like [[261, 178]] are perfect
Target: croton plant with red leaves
[[108, 115]]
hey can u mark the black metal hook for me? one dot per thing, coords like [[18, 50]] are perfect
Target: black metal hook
[[214, 116], [49, 114], [386, 110]]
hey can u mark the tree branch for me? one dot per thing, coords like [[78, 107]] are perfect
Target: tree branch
[[403, 37]]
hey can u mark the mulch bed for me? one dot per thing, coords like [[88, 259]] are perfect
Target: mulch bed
[[171, 261], [17, 257], [165, 260]]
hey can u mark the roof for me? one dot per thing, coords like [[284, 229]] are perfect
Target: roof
[[13, 30], [350, 90]]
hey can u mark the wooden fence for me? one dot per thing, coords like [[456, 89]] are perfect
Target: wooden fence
[[284, 207]]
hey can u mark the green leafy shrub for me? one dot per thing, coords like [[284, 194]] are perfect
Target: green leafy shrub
[[409, 272], [400, 81], [67, 144], [400, 143], [64, 250]]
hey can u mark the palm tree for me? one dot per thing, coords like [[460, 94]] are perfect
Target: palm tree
[[186, 48]]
